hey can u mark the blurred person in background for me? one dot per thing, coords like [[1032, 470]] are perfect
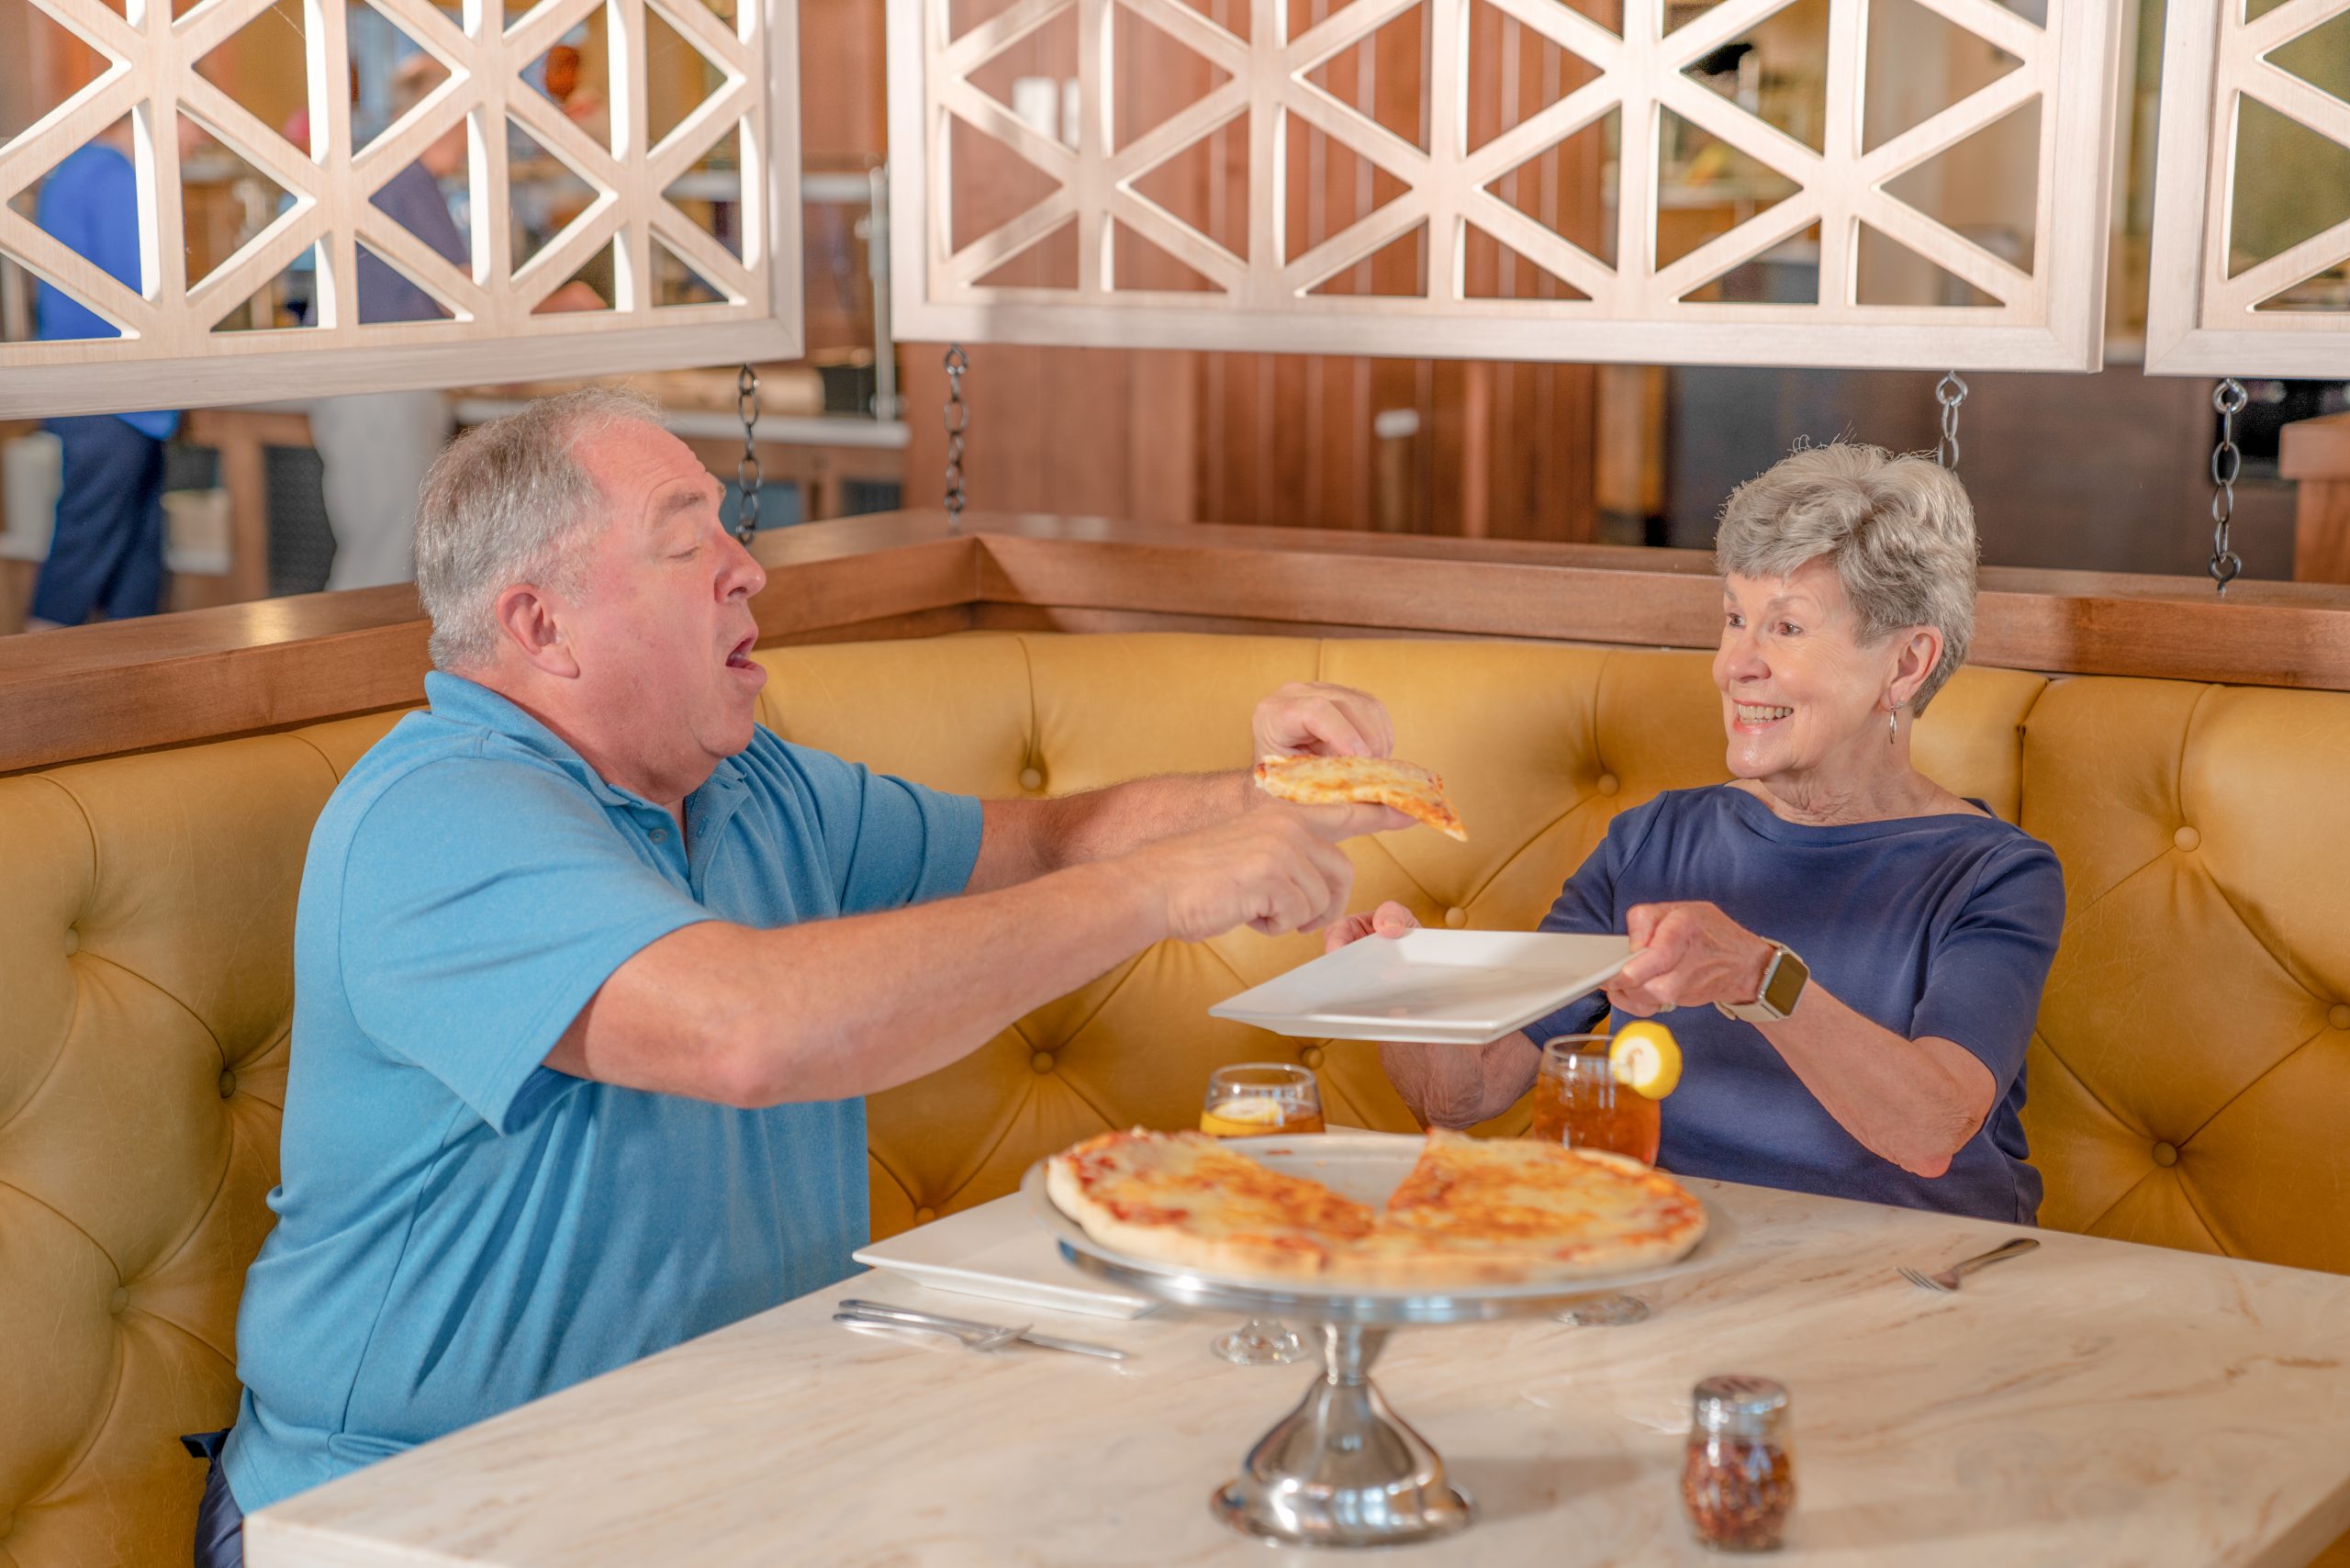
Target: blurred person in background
[[107, 552]]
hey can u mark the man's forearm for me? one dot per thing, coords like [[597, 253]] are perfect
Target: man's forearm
[[829, 1009], [1031, 838]]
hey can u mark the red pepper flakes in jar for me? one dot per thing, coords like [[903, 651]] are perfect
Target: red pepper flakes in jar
[[1738, 1476]]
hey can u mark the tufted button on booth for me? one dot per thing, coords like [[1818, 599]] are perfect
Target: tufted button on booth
[[2187, 838], [1311, 1056], [117, 1302], [1041, 1061], [228, 1082], [72, 941], [2339, 1015], [1032, 778], [924, 1215], [1608, 784], [1456, 917], [2165, 1155]]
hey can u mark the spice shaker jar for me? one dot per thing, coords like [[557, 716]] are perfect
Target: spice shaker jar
[[1738, 1477]]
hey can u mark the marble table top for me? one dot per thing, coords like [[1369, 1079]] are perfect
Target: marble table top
[[2095, 1401]]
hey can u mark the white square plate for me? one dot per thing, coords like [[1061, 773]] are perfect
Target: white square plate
[[996, 1250], [1439, 987]]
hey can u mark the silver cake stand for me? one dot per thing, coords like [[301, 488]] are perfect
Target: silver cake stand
[[1342, 1469]]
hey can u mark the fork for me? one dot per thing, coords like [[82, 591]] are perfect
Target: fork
[[1947, 1281], [993, 1339]]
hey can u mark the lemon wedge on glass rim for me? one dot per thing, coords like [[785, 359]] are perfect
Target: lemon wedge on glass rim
[[1644, 1058]]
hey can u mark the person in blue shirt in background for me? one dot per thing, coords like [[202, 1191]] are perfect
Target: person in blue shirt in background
[[107, 552], [592, 971]]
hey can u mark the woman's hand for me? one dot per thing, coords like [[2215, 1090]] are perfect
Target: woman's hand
[[1389, 919], [1685, 955]]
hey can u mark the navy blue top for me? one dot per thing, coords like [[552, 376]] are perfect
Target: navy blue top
[[89, 204], [1940, 926]]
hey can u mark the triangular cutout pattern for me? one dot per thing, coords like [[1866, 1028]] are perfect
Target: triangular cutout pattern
[[2329, 291], [1350, 188], [387, 294], [678, 78], [1232, 16], [285, 303], [675, 282], [548, 195], [1491, 270], [1051, 263], [1974, 187], [1206, 186], [275, 34], [1560, 187], [2256, 9], [991, 184], [2287, 187], [1036, 78], [1741, 186], [1137, 263], [70, 317], [1397, 269], [1160, 77], [416, 74], [1544, 73], [73, 65], [1776, 71], [213, 231], [1896, 94], [2320, 57], [1889, 273], [706, 194], [586, 291], [1394, 95], [571, 76], [1786, 273]]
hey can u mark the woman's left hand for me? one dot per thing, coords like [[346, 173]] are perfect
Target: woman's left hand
[[1687, 955]]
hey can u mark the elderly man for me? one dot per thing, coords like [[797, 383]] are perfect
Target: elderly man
[[591, 971]]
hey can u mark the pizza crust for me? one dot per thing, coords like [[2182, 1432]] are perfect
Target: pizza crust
[[1472, 1212], [1376, 780]]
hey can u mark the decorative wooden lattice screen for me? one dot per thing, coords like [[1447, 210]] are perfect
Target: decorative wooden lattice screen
[[172, 350], [2044, 314], [2252, 93]]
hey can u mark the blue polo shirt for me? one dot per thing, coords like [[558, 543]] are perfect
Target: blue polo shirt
[[461, 1228]]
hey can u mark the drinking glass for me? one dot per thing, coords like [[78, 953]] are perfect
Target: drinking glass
[[1258, 1099], [1578, 1103]]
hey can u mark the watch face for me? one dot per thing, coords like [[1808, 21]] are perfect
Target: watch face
[[1788, 977]]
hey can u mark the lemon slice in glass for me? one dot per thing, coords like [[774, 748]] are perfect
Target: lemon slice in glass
[[1645, 1059]]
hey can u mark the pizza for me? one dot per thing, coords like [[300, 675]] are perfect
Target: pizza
[[1472, 1211], [1379, 780], [1184, 1198]]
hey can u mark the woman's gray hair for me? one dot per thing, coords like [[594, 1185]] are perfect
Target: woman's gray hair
[[507, 502], [1899, 531]]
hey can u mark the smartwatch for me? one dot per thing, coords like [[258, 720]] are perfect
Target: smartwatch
[[1784, 980]]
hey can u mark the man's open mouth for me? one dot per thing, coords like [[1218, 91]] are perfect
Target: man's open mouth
[[740, 658]]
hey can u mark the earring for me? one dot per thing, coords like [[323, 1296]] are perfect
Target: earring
[[1893, 726]]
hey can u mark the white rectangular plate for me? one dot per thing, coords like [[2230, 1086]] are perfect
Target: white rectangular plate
[[995, 1251], [1440, 987]]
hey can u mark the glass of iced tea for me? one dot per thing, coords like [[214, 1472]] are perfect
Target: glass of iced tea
[[1578, 1103], [1260, 1099]]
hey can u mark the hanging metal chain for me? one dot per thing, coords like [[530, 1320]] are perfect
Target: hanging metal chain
[[746, 472], [959, 419], [1950, 392], [2228, 399]]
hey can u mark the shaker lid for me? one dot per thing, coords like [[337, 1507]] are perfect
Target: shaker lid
[[1728, 1398]]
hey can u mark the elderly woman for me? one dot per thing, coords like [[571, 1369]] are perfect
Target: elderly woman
[[1886, 1061]]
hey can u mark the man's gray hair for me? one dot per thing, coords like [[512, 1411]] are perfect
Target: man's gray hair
[[1899, 531], [506, 503]]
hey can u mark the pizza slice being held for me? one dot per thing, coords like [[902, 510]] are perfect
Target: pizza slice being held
[[1378, 780]]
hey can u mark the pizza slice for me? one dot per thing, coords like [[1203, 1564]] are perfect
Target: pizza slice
[[1183, 1198], [1379, 781]]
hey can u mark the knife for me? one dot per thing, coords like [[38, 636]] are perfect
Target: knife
[[879, 1312]]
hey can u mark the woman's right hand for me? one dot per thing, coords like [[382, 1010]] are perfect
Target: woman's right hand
[[1389, 920]]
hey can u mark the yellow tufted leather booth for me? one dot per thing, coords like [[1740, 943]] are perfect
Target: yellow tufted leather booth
[[2189, 1085]]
